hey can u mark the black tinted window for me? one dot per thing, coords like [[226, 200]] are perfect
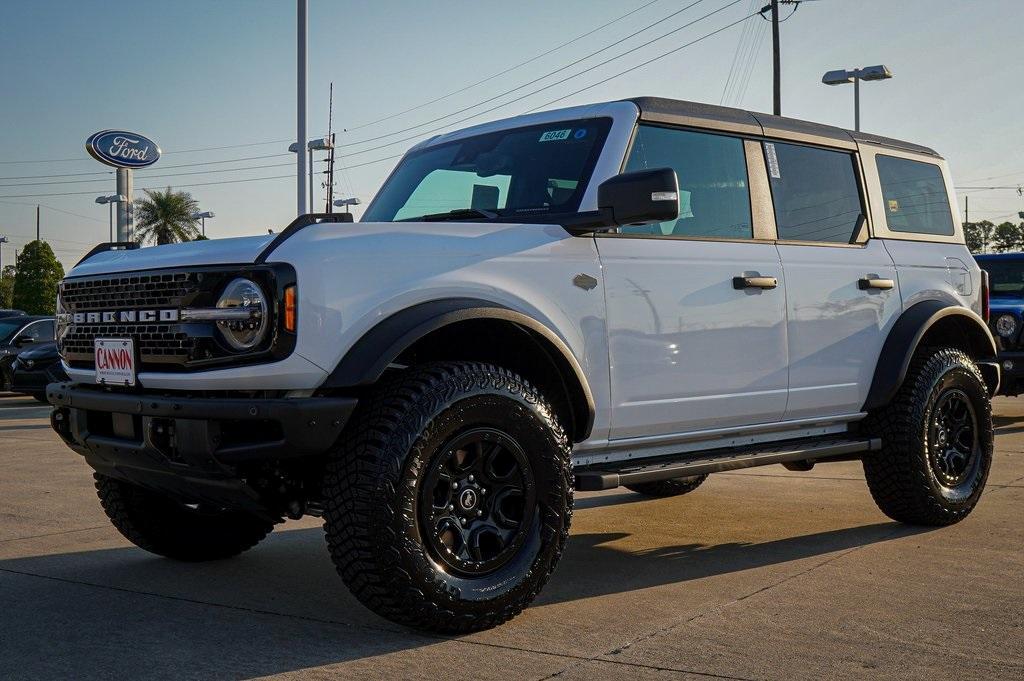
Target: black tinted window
[[714, 200], [914, 196], [815, 193]]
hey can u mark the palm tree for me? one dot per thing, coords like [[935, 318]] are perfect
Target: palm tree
[[165, 217]]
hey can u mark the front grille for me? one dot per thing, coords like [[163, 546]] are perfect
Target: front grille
[[164, 345], [158, 343], [112, 306], [133, 291]]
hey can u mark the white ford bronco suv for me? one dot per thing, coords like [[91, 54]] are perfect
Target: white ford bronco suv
[[636, 293]]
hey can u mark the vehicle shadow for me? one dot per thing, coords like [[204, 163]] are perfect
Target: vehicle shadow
[[281, 607]]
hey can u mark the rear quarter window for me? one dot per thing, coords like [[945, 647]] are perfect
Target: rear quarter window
[[914, 196]]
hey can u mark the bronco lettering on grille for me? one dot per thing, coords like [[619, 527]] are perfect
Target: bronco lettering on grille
[[125, 317]]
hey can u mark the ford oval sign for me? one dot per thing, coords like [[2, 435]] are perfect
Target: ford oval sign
[[122, 149]]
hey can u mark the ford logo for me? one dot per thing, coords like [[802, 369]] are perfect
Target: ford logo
[[122, 149]]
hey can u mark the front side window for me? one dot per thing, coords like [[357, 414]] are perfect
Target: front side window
[[522, 172], [40, 331], [714, 197], [815, 192], [914, 196]]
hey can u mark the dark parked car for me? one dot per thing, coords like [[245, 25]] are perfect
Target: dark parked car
[[1006, 316], [34, 368], [11, 313], [18, 334]]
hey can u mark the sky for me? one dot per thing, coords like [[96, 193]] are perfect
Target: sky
[[196, 74]]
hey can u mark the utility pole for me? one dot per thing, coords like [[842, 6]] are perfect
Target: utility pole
[[300, 105], [330, 158], [967, 204], [773, 7], [37, 222], [776, 62]]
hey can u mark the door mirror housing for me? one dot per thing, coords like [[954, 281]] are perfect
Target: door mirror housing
[[640, 197]]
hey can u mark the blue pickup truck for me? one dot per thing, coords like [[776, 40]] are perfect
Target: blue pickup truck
[[1006, 316]]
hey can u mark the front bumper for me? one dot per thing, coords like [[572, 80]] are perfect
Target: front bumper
[[193, 447]]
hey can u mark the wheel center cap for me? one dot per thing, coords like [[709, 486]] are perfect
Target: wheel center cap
[[467, 499]]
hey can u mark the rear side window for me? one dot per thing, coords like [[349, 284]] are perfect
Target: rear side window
[[714, 199], [914, 196], [815, 192]]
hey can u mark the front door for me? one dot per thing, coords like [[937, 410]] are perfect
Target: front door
[[695, 307]]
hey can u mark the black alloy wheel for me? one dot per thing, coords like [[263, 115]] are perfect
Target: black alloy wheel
[[475, 501]]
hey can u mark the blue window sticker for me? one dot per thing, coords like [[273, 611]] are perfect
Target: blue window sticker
[[555, 135], [580, 134]]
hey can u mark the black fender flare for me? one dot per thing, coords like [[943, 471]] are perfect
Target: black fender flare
[[366, 361], [906, 335]]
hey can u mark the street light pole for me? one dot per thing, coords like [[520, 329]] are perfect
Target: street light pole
[[3, 240], [856, 104], [855, 76]]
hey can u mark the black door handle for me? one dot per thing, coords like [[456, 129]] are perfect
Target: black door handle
[[754, 282], [871, 282]]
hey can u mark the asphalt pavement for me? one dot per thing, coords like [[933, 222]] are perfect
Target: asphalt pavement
[[760, 574]]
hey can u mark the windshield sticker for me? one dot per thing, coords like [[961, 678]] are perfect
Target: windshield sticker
[[555, 135], [580, 134], [773, 160], [894, 206]]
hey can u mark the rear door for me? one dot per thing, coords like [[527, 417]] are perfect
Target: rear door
[[841, 287], [689, 349]]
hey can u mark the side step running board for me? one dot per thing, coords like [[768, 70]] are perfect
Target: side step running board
[[612, 475]]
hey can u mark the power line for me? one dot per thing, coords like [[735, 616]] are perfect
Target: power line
[[741, 45], [422, 134], [194, 172], [643, 64], [195, 184], [543, 77], [501, 73]]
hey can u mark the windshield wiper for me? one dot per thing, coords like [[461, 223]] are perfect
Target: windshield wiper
[[458, 214]]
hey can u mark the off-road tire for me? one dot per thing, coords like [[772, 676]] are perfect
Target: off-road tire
[[902, 477], [372, 496], [668, 488], [165, 527]]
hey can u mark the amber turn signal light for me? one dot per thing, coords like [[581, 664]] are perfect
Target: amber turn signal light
[[290, 309]]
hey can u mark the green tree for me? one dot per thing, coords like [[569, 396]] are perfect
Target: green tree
[[7, 287], [165, 217], [35, 284], [1008, 237], [978, 235]]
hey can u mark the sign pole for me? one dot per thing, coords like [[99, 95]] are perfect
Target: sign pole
[[124, 208]]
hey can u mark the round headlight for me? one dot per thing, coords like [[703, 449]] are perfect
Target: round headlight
[[248, 330], [1005, 325]]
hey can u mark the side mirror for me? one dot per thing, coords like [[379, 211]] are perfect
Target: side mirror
[[640, 197]]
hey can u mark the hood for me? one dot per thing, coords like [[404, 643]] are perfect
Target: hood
[[239, 250]]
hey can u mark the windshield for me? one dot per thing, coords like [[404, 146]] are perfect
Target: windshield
[[1005, 277], [8, 328], [535, 170]]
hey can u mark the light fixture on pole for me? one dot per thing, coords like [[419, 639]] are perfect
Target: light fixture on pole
[[843, 76], [347, 202], [3, 240], [202, 216], [319, 144], [110, 201]]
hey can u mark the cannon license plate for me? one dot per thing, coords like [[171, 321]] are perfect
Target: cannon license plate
[[115, 361]]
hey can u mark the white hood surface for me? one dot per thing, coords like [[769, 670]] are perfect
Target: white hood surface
[[235, 251]]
